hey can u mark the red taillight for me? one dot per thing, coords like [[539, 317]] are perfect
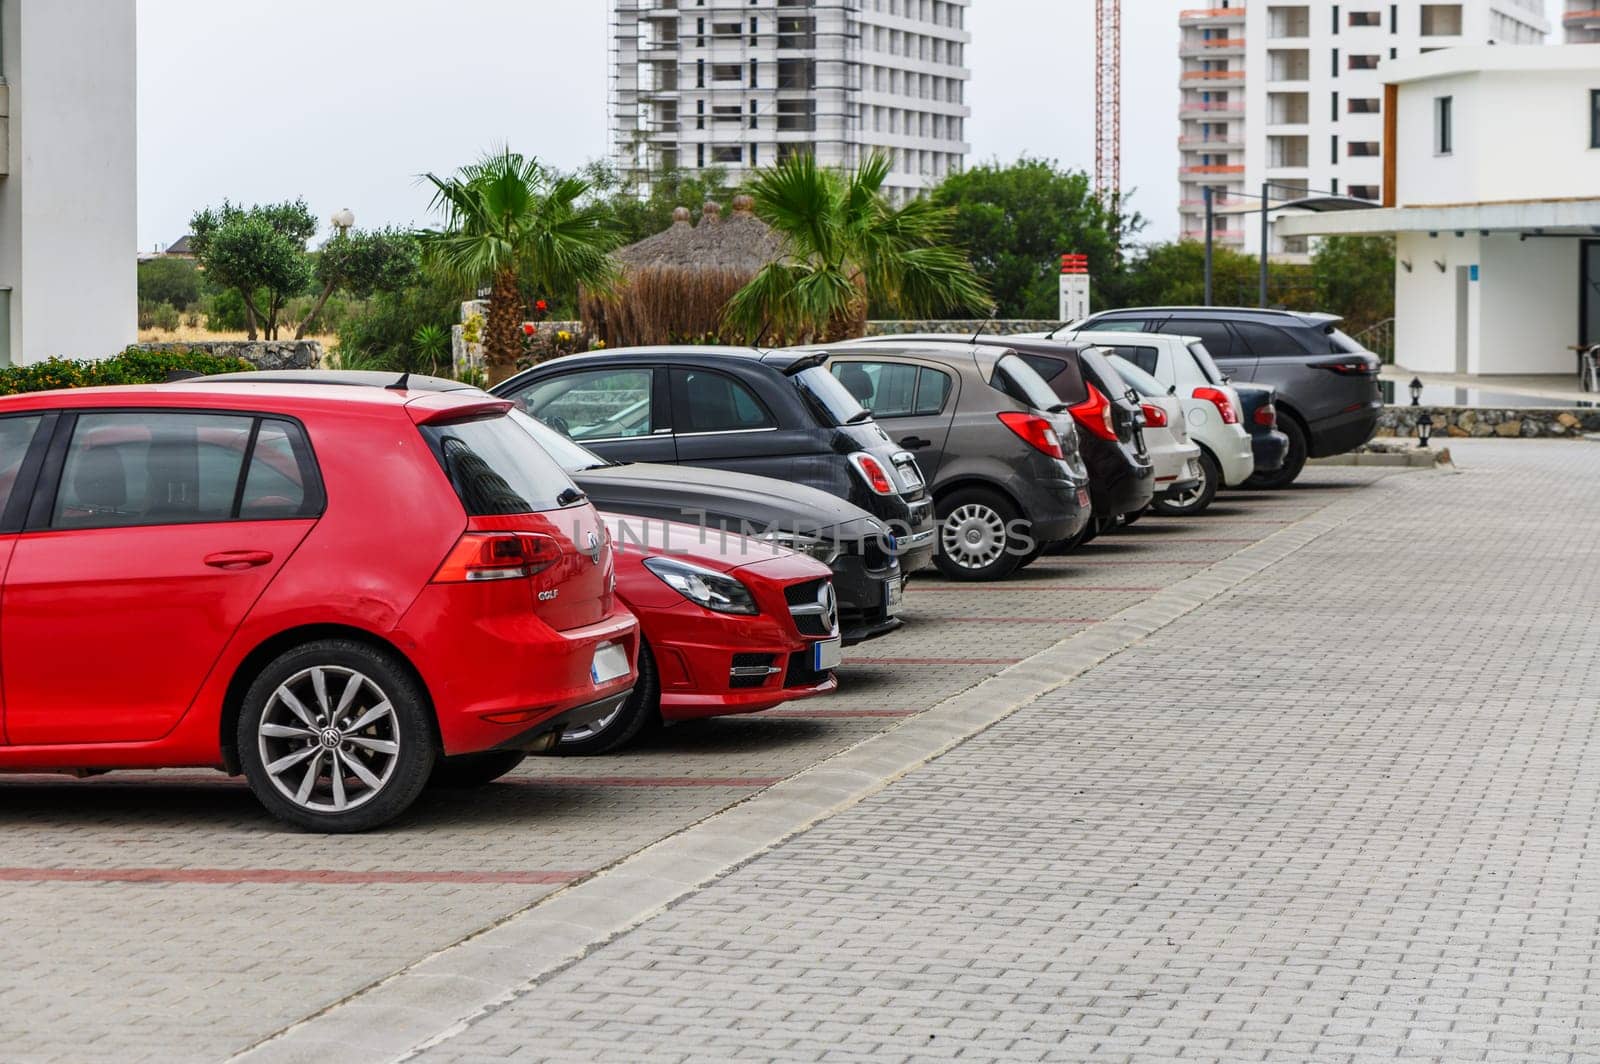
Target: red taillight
[[873, 473], [479, 556], [1222, 401], [1036, 431], [1348, 367], [1094, 414], [1266, 414], [1154, 416]]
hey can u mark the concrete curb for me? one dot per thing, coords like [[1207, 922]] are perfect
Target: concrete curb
[[428, 1002]]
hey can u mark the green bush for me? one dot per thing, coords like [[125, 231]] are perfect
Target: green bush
[[158, 316], [382, 334], [133, 366], [225, 312], [174, 281]]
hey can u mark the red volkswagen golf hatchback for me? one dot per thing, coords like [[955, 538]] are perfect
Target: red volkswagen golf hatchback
[[336, 592]]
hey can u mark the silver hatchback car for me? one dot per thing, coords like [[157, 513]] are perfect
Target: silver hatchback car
[[993, 440]]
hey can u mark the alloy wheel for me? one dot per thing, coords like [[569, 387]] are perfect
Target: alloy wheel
[[973, 536], [329, 738], [578, 733]]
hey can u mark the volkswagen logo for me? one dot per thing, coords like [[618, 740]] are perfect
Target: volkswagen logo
[[594, 548]]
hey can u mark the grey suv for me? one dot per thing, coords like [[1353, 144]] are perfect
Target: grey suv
[[1328, 398], [992, 438]]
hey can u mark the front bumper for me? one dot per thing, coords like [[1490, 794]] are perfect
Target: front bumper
[[864, 597]]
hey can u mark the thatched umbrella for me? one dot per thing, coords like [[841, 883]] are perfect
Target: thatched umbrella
[[674, 284]]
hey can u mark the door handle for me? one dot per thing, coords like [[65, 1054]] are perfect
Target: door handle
[[914, 442], [238, 559]]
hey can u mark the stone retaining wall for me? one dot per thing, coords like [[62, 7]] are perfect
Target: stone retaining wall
[[263, 354], [1471, 421], [959, 326]]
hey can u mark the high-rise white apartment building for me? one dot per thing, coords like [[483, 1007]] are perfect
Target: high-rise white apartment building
[[1582, 21], [1292, 94], [740, 84]]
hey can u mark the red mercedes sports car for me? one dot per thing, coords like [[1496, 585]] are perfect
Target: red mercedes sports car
[[729, 625]]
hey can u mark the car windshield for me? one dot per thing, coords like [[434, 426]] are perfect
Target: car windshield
[[572, 457], [831, 399], [1137, 378], [497, 469], [1019, 380], [1203, 358], [1343, 344]]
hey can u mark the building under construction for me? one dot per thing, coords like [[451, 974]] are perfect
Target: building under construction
[[740, 84]]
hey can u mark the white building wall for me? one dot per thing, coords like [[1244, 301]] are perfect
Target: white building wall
[[1297, 127], [68, 205]]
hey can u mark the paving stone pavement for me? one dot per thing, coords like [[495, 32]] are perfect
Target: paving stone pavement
[[1343, 811], [162, 916]]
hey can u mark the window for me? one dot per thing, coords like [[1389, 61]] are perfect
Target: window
[[594, 404], [497, 468], [1145, 359], [1064, 375], [725, 72], [1362, 148], [1366, 192], [1363, 105], [888, 389], [1594, 118], [1441, 20], [1366, 18], [933, 388], [16, 434], [727, 153], [1443, 135], [1214, 334], [1261, 339], [712, 402], [1014, 377], [1364, 62], [146, 468]]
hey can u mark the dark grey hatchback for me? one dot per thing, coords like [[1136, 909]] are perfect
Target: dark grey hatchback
[[775, 414]]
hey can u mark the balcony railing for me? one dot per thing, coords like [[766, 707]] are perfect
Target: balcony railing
[[1211, 44], [1224, 106], [1580, 18], [1221, 140], [1212, 168], [1212, 75], [1211, 14]]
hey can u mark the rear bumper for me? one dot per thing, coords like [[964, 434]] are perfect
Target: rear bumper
[[1119, 481], [1271, 450], [588, 713], [1344, 431], [502, 680]]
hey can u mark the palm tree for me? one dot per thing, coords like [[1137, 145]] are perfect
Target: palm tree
[[843, 244], [508, 220]]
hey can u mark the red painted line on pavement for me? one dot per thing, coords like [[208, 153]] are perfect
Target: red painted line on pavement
[[645, 781], [933, 661], [1014, 620], [273, 875], [1221, 539], [832, 714], [1041, 589], [1150, 561]]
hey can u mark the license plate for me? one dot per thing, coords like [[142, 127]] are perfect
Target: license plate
[[1083, 497], [610, 661], [895, 595], [911, 475], [827, 654]]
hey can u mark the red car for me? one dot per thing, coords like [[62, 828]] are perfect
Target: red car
[[728, 625], [338, 592]]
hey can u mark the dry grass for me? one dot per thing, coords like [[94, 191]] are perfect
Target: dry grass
[[196, 334]]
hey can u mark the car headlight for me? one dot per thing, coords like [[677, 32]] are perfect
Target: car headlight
[[824, 549], [702, 586]]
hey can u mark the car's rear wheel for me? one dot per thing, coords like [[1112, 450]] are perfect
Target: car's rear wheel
[[975, 541], [1193, 500], [1293, 463], [1130, 518], [474, 770], [336, 736], [640, 712]]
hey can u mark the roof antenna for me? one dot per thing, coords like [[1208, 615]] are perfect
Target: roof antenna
[[762, 335], [400, 385], [984, 324]]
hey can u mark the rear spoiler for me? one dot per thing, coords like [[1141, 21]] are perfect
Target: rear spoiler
[[805, 362], [443, 408]]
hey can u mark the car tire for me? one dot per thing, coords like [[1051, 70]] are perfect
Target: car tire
[[1293, 462], [336, 736], [1196, 499], [1033, 554], [639, 714], [974, 536], [465, 771]]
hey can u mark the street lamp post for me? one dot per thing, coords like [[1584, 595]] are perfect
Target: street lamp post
[[1211, 219], [343, 220], [1424, 429], [1416, 390]]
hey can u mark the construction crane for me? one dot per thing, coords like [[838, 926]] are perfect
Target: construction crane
[[1108, 100]]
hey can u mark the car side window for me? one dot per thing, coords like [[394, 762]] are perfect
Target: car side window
[[715, 402], [275, 483], [1146, 358], [126, 469], [1263, 339], [1120, 325], [1214, 334], [888, 389], [16, 436], [933, 389], [594, 404]]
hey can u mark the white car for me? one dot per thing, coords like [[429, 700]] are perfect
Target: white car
[[1212, 411], [1179, 478]]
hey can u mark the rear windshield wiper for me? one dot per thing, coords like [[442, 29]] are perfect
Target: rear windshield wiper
[[569, 496], [856, 419]]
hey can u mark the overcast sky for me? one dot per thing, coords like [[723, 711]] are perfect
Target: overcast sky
[[344, 102]]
